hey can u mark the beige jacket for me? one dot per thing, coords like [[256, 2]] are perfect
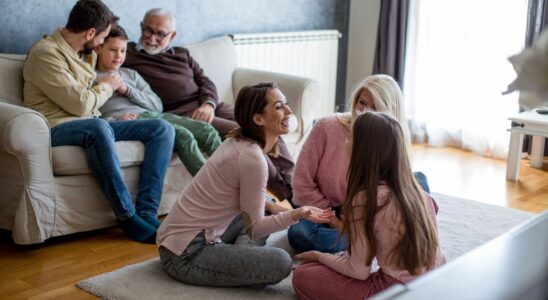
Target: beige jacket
[[59, 83]]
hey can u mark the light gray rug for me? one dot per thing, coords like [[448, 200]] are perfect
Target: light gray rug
[[463, 226]]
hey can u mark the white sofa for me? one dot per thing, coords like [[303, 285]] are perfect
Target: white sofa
[[49, 191]]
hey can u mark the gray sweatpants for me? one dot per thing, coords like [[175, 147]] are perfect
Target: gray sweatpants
[[238, 261]]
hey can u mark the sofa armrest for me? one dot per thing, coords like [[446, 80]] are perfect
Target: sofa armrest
[[302, 93], [26, 175]]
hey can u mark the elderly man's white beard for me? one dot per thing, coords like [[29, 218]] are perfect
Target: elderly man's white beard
[[150, 51]]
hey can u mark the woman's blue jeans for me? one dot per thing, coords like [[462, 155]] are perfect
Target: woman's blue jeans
[[306, 236], [422, 181], [98, 136]]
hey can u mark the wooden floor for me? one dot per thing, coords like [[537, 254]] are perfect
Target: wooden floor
[[465, 174], [49, 271]]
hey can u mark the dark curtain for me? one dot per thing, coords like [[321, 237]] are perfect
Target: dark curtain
[[537, 20], [391, 39]]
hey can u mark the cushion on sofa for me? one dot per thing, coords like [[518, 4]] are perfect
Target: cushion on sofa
[[11, 72], [217, 57], [71, 160]]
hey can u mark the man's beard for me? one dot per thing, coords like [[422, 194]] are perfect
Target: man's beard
[[87, 51], [149, 50], [88, 48], [152, 51]]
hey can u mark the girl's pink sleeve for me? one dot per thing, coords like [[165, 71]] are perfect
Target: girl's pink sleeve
[[354, 265]]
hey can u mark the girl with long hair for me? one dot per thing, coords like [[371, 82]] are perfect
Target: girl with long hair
[[387, 216]]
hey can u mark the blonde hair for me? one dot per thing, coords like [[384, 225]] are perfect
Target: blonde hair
[[387, 96]]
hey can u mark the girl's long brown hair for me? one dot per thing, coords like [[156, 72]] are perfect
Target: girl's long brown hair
[[379, 156]]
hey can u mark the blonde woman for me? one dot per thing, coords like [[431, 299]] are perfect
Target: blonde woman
[[320, 174]]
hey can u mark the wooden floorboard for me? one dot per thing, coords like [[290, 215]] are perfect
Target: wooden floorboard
[[50, 270], [464, 174]]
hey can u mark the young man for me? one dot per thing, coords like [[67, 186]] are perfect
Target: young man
[[137, 100], [59, 76], [186, 91]]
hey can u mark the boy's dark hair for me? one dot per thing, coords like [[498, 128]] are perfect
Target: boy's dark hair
[[87, 14], [117, 31]]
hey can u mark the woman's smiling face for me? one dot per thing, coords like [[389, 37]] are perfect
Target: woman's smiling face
[[275, 115]]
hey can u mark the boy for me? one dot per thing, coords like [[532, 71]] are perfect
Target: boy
[[135, 99]]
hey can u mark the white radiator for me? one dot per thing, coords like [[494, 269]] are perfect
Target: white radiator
[[311, 54]]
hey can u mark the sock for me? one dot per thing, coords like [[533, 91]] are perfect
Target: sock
[[139, 230], [152, 220]]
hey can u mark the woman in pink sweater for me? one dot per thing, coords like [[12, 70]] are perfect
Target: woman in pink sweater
[[196, 246], [320, 174], [386, 216]]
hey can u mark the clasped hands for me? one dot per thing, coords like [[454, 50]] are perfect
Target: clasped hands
[[115, 81]]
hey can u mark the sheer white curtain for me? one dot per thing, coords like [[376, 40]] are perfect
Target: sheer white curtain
[[456, 68]]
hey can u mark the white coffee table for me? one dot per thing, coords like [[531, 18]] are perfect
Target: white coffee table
[[530, 123]]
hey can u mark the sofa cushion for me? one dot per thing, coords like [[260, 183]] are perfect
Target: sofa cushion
[[11, 73], [217, 57], [71, 160]]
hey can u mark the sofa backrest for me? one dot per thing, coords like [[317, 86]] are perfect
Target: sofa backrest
[[217, 57], [11, 78]]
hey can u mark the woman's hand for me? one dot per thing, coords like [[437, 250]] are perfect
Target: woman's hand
[[308, 256], [313, 214]]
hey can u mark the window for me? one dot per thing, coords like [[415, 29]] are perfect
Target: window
[[457, 67]]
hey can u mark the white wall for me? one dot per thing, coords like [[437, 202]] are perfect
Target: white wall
[[362, 38]]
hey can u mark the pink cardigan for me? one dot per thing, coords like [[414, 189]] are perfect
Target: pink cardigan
[[232, 181], [387, 233], [320, 174]]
